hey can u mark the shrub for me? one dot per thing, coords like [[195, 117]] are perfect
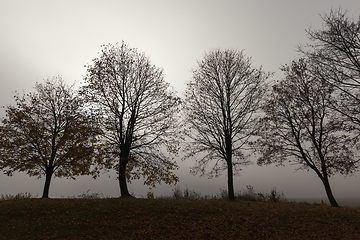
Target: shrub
[[94, 195], [150, 195], [17, 196], [223, 193], [251, 195], [177, 194], [248, 195], [195, 195], [274, 196], [185, 194]]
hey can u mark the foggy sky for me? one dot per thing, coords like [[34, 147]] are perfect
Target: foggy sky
[[42, 39]]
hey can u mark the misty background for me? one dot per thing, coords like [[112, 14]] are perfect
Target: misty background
[[41, 39]]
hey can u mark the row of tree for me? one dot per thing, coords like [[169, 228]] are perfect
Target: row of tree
[[125, 116]]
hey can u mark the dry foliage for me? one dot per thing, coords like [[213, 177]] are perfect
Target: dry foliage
[[48, 132]]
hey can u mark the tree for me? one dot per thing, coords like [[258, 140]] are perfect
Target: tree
[[48, 133], [300, 126], [221, 101], [137, 112], [335, 56]]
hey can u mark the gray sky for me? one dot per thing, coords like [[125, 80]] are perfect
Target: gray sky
[[47, 38]]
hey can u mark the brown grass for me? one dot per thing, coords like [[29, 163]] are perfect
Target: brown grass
[[173, 219]]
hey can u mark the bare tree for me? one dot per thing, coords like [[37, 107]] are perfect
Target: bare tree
[[300, 126], [335, 56], [138, 115], [221, 101], [48, 132]]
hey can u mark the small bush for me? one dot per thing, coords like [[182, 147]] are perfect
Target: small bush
[[94, 195], [185, 194], [195, 195], [150, 195], [177, 194], [248, 195], [274, 196], [224, 194], [251, 195], [17, 196]]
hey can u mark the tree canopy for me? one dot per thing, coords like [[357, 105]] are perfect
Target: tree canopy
[[334, 51]]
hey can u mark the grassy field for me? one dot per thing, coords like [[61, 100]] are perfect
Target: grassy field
[[118, 218]]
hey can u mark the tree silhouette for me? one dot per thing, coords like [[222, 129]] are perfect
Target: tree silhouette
[[221, 101], [48, 132], [300, 126], [137, 112]]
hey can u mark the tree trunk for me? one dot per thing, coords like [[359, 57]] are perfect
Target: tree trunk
[[230, 181], [47, 184], [124, 192], [329, 193], [228, 146]]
